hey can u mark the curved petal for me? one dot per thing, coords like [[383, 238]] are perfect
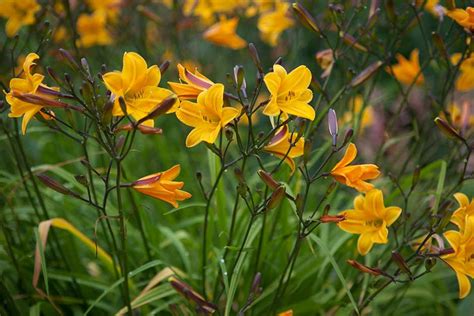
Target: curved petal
[[464, 284], [113, 82], [462, 199], [299, 109], [171, 173], [214, 98], [392, 213], [374, 202], [133, 66], [194, 137], [272, 81], [189, 113], [298, 79], [228, 114], [365, 243]]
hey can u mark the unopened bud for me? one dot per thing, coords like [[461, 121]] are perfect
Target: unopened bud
[[366, 74], [447, 129], [255, 57], [332, 218], [363, 268], [308, 146], [352, 42], [160, 109], [80, 178], [85, 66], [55, 185], [306, 18], [164, 66], [229, 134], [348, 136], [333, 128], [69, 58], [401, 263], [268, 179], [276, 197], [430, 263]]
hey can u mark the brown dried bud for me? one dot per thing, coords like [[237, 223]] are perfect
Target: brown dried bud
[[447, 129], [188, 292], [332, 218], [352, 42], [276, 197], [55, 185], [268, 179]]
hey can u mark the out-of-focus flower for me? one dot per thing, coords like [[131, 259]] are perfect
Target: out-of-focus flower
[[370, 219], [433, 7], [60, 34], [325, 60], [407, 71], [272, 23], [289, 92], [161, 186], [284, 146], [194, 83], [223, 33], [464, 17], [465, 80], [354, 176], [286, 313], [18, 13], [92, 30], [355, 106], [461, 261], [23, 89], [207, 9], [110, 7], [208, 116], [137, 84], [459, 115], [466, 208]]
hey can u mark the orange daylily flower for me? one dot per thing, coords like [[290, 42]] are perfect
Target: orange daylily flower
[[462, 259], [18, 13], [465, 80], [370, 219], [289, 92], [283, 145], [466, 208], [194, 84], [464, 17], [137, 84], [354, 176], [223, 33], [208, 116], [272, 23], [28, 95], [161, 186], [407, 71], [92, 30]]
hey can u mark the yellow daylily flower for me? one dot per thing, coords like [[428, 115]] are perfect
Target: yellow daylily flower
[[459, 115], [283, 145], [92, 30], [466, 208], [464, 17], [354, 176], [223, 33], [194, 83], [137, 84], [355, 105], [433, 7], [110, 7], [465, 80], [370, 219], [18, 13], [161, 186], [289, 92], [30, 84], [407, 71], [208, 116], [272, 23], [462, 260]]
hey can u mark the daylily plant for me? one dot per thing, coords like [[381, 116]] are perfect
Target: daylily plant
[[284, 146]]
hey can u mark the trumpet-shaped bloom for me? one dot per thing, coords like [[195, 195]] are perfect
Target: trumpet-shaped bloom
[[370, 219], [223, 33], [92, 30], [466, 208], [18, 13], [408, 71], [137, 84], [30, 84], [462, 260], [161, 186], [194, 84], [464, 17], [354, 176], [289, 92], [271, 24], [208, 116], [284, 146]]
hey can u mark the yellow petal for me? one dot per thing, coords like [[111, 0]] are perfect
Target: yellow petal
[[189, 113], [349, 156], [299, 109], [462, 199], [364, 244], [464, 284], [272, 81], [133, 66], [392, 213]]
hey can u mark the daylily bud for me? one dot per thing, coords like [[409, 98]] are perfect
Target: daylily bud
[[333, 128], [447, 129], [69, 58], [53, 75], [123, 106], [239, 76], [390, 9], [305, 17], [348, 136], [276, 197], [366, 74], [189, 293], [326, 209], [229, 134], [430, 263], [160, 109], [257, 280], [47, 102], [352, 42], [331, 218], [268, 179], [374, 7], [164, 66], [80, 178], [85, 66], [359, 266], [439, 43], [299, 201], [120, 142], [446, 251], [308, 146], [199, 176], [55, 185], [144, 129], [401, 263], [255, 57]]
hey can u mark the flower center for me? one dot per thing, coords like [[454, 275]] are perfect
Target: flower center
[[377, 223], [290, 96]]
